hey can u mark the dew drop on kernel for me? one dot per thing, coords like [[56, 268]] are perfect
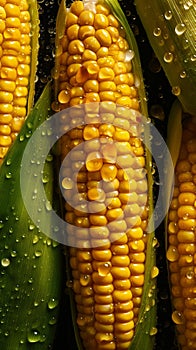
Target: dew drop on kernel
[[172, 253], [104, 269], [67, 183], [84, 280]]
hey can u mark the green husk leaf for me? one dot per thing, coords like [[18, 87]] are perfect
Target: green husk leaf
[[174, 130], [34, 14], [60, 29], [170, 27], [30, 262], [174, 136]]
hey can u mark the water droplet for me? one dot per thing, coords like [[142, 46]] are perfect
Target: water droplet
[[38, 253], [11, 230], [193, 58], [81, 321], [177, 317], [129, 55], [35, 239], [1, 224], [35, 303], [190, 275], [5, 262], [33, 336], [29, 125], [8, 175], [49, 158], [172, 253], [183, 74], [67, 183], [154, 272], [13, 254], [153, 331], [176, 90], [172, 228], [52, 321], [104, 269], [48, 242], [30, 280], [55, 243], [48, 206], [155, 242], [168, 57], [43, 338], [85, 279], [31, 227], [69, 284], [180, 29], [157, 31], [168, 15], [45, 178], [21, 138], [52, 303], [8, 162]]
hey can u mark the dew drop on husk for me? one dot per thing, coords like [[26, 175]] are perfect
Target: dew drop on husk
[[52, 303], [5, 262], [168, 57], [33, 336], [153, 331], [157, 31], [176, 90], [154, 272], [168, 15], [180, 29]]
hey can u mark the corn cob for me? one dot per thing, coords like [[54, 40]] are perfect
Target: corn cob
[[108, 253], [181, 228], [18, 58], [29, 260]]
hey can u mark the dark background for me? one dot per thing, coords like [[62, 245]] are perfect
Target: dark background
[[159, 103]]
